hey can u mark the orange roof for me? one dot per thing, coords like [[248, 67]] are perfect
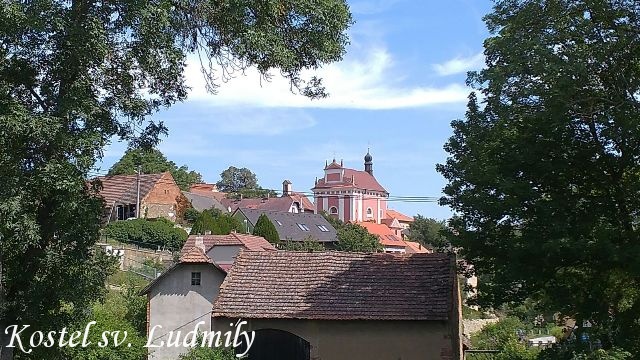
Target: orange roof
[[393, 214], [385, 234], [195, 255], [415, 247]]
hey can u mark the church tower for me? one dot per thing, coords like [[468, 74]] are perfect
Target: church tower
[[368, 163]]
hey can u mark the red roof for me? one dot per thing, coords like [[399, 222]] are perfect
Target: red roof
[[333, 165], [393, 214], [385, 234], [210, 190], [195, 255], [335, 285], [283, 203], [250, 242], [416, 248], [361, 180]]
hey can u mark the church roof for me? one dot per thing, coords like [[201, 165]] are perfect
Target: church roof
[[361, 180]]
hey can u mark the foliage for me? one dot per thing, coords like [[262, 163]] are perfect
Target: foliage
[[355, 238], [217, 222], [471, 314], [242, 183], [308, 244], [573, 351], [334, 221], [600, 354], [191, 215], [153, 161], [150, 233], [206, 353], [543, 172], [503, 336], [430, 233], [74, 75], [265, 228]]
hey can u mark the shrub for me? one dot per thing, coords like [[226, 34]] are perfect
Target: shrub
[[148, 233], [265, 228], [216, 222]]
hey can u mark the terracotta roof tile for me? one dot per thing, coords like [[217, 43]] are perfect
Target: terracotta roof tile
[[250, 242], [338, 286], [274, 204], [195, 255], [385, 234], [361, 180], [415, 248], [122, 189], [393, 214]]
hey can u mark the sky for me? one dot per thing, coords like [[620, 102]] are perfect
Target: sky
[[399, 86]]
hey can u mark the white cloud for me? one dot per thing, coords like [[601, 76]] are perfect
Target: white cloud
[[459, 65], [356, 84]]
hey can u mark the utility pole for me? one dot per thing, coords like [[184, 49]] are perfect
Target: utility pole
[[138, 197]]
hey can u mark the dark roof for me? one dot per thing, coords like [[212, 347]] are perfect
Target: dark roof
[[202, 202], [122, 189], [274, 203], [287, 224], [338, 286], [353, 179], [250, 242]]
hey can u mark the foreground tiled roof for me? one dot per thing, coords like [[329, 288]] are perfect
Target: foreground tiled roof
[[385, 234], [338, 286], [393, 214], [250, 242], [122, 189], [286, 224], [353, 179]]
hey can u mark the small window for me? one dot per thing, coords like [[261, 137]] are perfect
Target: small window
[[322, 228], [303, 227], [195, 278], [369, 212], [333, 210]]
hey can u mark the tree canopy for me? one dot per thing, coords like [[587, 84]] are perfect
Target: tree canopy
[[265, 228], [74, 75], [429, 232], [216, 222], [355, 238], [153, 161], [242, 182], [543, 171]]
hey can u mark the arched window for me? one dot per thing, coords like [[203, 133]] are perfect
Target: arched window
[[333, 210], [369, 212]]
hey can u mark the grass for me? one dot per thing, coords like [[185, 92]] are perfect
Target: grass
[[121, 278]]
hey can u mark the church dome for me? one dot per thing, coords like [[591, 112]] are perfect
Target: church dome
[[368, 157]]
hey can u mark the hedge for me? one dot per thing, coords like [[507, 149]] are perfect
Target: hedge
[[148, 233]]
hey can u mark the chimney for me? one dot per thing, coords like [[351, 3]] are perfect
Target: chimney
[[286, 188], [200, 242]]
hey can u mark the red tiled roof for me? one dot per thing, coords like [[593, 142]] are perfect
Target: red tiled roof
[[195, 255], [275, 203], [122, 189], [250, 242], [393, 214], [209, 190], [361, 180], [415, 248], [338, 286], [387, 236]]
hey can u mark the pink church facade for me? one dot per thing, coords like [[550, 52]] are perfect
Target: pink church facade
[[349, 194]]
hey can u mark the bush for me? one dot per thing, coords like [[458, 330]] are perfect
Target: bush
[[191, 215], [308, 244], [217, 222], [148, 233], [265, 228]]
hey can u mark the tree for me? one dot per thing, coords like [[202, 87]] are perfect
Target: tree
[[430, 233], [77, 74], [206, 353], [265, 228], [242, 183], [308, 244], [153, 161], [503, 336], [216, 222], [543, 172], [353, 237]]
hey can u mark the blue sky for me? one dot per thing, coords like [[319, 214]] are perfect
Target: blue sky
[[397, 90]]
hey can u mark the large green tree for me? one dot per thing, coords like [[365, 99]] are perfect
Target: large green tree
[[544, 170], [429, 232], [353, 237], [242, 182], [74, 75], [153, 161]]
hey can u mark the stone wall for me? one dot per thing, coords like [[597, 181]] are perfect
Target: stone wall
[[476, 325]]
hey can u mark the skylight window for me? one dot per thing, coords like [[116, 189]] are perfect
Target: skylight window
[[322, 228], [303, 227], [279, 223]]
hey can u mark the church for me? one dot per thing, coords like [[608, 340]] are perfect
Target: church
[[351, 195]]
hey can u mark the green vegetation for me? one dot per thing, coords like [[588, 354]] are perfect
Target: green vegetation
[[353, 237], [309, 244], [216, 222], [265, 228], [148, 233], [153, 161], [242, 183], [503, 336], [543, 171], [430, 232], [205, 353]]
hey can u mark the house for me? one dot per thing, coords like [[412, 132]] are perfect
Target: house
[[290, 201], [291, 226], [222, 249], [391, 242], [159, 196], [344, 306], [351, 195], [184, 294], [202, 202], [403, 220], [209, 190]]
